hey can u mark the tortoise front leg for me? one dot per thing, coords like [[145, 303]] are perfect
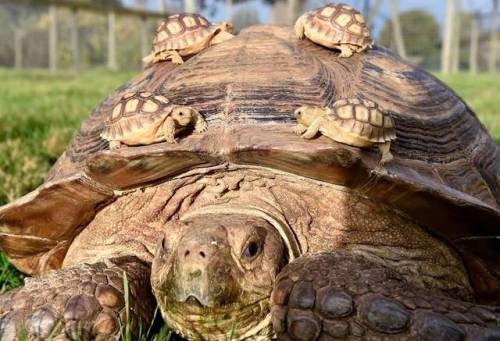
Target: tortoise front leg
[[313, 129], [346, 50], [200, 125], [169, 130], [385, 150], [85, 302], [341, 295]]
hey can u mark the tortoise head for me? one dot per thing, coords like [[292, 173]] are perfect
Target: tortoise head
[[224, 26], [183, 115], [215, 277], [305, 115]]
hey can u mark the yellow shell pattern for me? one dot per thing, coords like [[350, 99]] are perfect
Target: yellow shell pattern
[[340, 23], [179, 31], [365, 119], [134, 111]]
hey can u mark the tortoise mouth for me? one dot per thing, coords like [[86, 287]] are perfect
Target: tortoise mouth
[[232, 321]]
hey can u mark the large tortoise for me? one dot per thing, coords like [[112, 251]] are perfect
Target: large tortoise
[[248, 230]]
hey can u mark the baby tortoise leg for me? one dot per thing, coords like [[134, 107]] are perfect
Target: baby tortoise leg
[[299, 129], [169, 130], [200, 125], [341, 295], [85, 302], [299, 27], [385, 149], [114, 144], [346, 50], [313, 129], [174, 56]]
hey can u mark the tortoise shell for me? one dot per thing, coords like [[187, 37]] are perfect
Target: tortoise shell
[[179, 31], [365, 119], [444, 176], [133, 111], [339, 23]]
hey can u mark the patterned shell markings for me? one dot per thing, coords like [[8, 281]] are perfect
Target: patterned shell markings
[[364, 118], [134, 111], [179, 31], [341, 23]]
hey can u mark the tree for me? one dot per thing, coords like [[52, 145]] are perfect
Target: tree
[[420, 33]]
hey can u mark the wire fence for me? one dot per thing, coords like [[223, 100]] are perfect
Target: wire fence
[[451, 35]]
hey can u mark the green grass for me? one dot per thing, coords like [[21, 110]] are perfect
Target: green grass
[[39, 113]]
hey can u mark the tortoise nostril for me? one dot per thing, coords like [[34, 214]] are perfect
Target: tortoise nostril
[[202, 254], [186, 253]]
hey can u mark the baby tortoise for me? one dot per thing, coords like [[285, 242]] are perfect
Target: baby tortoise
[[142, 118], [355, 122], [186, 34], [335, 26]]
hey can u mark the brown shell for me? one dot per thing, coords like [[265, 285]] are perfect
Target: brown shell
[[445, 173], [133, 111], [365, 119], [179, 31], [340, 23]]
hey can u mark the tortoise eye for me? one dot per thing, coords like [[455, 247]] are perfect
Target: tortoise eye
[[252, 250], [299, 113], [181, 113]]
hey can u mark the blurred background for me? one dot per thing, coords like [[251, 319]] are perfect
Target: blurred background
[[60, 58], [446, 35]]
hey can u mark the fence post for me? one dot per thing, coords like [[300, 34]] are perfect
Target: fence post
[[18, 47], [396, 27], [112, 65], [145, 47], [53, 38], [161, 6], [474, 44], [492, 57], [447, 36], [455, 52], [75, 49], [189, 6]]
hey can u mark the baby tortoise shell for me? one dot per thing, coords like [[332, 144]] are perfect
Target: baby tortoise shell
[[365, 119], [335, 26], [355, 122], [142, 118], [183, 35]]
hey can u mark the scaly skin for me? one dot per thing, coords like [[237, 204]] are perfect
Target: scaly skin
[[341, 295], [83, 302]]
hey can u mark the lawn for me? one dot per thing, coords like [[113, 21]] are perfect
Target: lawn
[[40, 111]]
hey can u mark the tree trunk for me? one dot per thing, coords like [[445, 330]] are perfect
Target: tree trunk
[[189, 6], [112, 65], [492, 58], [373, 12], [161, 6], [145, 41], [455, 52], [75, 48], [448, 36], [396, 26], [474, 45], [53, 38], [18, 47]]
